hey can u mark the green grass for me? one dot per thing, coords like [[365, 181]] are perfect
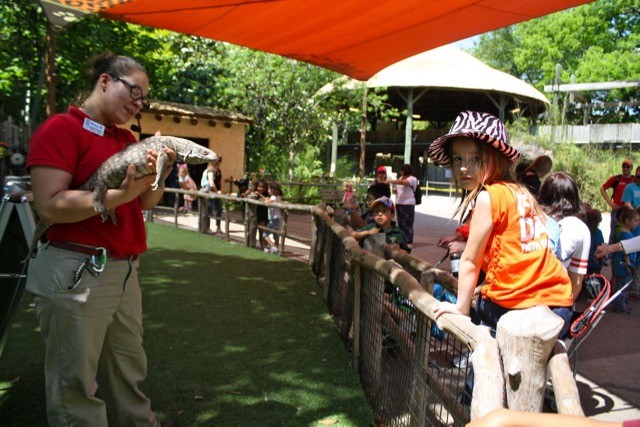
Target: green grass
[[233, 337]]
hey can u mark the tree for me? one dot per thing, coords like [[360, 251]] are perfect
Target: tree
[[598, 41], [21, 53], [278, 94]]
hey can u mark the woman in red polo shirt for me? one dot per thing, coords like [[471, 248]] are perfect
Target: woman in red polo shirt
[[89, 307]]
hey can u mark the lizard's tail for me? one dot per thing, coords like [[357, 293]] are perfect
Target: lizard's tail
[[41, 228]]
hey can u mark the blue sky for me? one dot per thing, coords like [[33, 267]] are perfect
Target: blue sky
[[466, 43]]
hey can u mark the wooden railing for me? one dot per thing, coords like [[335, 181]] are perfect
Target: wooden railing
[[404, 364]]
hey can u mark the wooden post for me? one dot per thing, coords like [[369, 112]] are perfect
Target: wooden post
[[203, 220], [363, 134], [312, 245], [283, 229], [328, 243], [357, 294], [526, 338], [227, 214], [564, 385], [250, 225], [488, 380], [176, 205]]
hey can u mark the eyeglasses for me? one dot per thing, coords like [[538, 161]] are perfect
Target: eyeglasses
[[626, 166], [134, 90]]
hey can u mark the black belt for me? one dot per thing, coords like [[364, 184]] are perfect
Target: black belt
[[87, 250]]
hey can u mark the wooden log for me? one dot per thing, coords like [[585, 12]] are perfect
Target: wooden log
[[283, 230], [357, 295], [313, 244], [203, 217], [419, 387], [564, 384], [526, 338], [488, 384], [328, 245]]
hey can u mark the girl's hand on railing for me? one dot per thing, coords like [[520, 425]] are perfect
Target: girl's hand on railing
[[446, 307]]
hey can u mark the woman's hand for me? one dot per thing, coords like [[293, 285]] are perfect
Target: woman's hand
[[604, 250], [132, 187], [445, 241], [457, 247], [152, 160]]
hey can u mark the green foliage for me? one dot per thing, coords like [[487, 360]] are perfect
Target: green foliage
[[21, 57], [187, 68], [590, 166], [278, 94], [91, 36], [595, 42]]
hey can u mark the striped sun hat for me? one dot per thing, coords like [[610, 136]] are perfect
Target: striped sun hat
[[482, 127]]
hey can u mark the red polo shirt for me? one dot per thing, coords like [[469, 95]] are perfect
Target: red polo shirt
[[62, 142]]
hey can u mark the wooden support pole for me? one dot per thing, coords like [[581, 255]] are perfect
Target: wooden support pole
[[227, 219], [488, 385], [564, 385], [283, 229], [313, 244], [357, 295], [203, 220], [419, 387], [328, 243], [526, 338]]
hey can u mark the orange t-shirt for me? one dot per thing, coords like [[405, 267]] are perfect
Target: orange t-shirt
[[522, 271]]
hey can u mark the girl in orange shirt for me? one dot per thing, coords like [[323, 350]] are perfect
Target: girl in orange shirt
[[507, 239]]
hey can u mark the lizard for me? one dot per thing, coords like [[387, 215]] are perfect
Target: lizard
[[113, 171]]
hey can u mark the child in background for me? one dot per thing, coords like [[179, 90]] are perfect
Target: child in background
[[634, 290], [383, 211], [593, 218], [349, 197], [357, 219], [628, 220], [275, 219], [186, 183], [262, 212]]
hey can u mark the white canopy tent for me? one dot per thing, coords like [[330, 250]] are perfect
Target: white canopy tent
[[439, 83]]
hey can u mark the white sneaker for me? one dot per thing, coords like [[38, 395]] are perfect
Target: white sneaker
[[266, 250], [273, 250]]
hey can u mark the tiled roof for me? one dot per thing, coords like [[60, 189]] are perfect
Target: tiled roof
[[186, 110]]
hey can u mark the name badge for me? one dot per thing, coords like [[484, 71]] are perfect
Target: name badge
[[93, 127]]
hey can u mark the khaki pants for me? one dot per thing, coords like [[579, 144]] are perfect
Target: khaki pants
[[92, 331]]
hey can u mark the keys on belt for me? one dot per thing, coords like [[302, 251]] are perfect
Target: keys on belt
[[94, 264]]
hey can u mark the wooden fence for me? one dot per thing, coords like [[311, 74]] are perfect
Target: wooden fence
[[409, 363]]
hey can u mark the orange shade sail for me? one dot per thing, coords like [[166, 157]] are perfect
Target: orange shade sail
[[353, 37]]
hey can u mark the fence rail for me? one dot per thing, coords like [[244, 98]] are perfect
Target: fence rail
[[436, 185], [593, 134], [410, 366]]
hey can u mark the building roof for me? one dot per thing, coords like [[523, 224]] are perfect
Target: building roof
[[447, 80], [186, 110], [449, 67]]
